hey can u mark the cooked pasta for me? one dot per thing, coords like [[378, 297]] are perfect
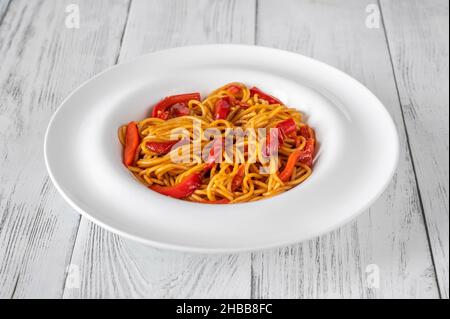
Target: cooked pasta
[[271, 151]]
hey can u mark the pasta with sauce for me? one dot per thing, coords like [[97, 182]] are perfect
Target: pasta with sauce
[[214, 176]]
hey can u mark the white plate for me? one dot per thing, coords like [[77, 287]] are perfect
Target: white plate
[[358, 149]]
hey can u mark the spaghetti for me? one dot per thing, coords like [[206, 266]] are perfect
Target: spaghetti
[[154, 149]]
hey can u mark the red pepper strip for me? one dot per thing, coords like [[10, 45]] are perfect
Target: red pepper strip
[[185, 188], [285, 128], [308, 152], [131, 143], [304, 131], [238, 178], [160, 148], [304, 156], [288, 127], [179, 109], [270, 146], [265, 96], [234, 89], [214, 153], [307, 132], [160, 109], [222, 108]]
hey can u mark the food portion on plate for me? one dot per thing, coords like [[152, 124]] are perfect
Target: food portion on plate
[[238, 144]]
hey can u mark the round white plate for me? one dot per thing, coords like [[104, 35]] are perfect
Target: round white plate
[[358, 149]]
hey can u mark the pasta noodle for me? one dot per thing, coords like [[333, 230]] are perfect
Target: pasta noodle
[[256, 166]]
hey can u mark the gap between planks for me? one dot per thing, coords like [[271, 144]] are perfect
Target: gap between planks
[[408, 142], [80, 217]]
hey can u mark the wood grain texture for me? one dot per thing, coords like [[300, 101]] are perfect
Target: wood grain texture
[[3, 8], [391, 234], [42, 61], [186, 22], [110, 266], [417, 32]]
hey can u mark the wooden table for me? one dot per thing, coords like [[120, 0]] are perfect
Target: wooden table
[[399, 248]]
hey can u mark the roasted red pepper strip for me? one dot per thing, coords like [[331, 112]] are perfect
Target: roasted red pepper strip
[[304, 131], [185, 188], [238, 178], [307, 132], [179, 109], [234, 99], [160, 110], [160, 148], [304, 156], [234, 89], [269, 98], [283, 129], [214, 153], [271, 136], [288, 127], [222, 108], [131, 143]]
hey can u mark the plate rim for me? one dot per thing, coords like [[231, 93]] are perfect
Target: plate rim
[[191, 248]]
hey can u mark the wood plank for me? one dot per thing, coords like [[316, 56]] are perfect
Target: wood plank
[[391, 234], [417, 32], [42, 61], [3, 8], [111, 266]]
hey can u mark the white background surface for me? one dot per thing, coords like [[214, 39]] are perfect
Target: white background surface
[[48, 250]]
